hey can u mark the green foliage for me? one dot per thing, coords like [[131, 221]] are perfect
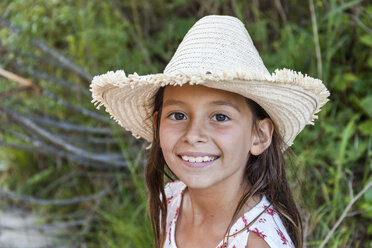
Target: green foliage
[[125, 222], [141, 36]]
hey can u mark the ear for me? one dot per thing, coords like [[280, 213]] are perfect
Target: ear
[[262, 136]]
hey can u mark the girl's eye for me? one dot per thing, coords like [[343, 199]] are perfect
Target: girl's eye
[[220, 117], [177, 116]]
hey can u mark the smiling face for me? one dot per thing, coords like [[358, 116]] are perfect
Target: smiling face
[[205, 135]]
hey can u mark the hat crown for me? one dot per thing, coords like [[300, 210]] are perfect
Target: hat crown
[[216, 44]]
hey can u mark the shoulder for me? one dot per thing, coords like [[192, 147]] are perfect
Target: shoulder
[[255, 241], [269, 229]]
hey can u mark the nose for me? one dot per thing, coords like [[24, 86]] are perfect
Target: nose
[[195, 132]]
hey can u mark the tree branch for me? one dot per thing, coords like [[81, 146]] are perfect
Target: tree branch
[[20, 80], [66, 126], [280, 9], [49, 78], [344, 214], [41, 148], [45, 134], [61, 202], [48, 227], [316, 40], [30, 125], [45, 92], [90, 140], [53, 53], [76, 108], [10, 93]]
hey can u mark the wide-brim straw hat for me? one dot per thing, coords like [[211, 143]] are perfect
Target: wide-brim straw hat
[[216, 52]]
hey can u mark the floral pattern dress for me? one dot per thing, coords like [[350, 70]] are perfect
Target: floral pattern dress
[[268, 225]]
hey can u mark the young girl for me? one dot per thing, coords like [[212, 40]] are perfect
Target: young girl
[[218, 123]]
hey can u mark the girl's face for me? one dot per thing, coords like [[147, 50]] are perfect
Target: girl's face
[[205, 135]]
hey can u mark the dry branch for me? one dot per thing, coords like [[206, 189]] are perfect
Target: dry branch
[[59, 57], [90, 140], [316, 39], [344, 214], [48, 227], [31, 126], [42, 132], [20, 80], [66, 126], [10, 93], [355, 16], [79, 109], [281, 11], [45, 92], [53, 53], [61, 202], [49, 78], [41, 148]]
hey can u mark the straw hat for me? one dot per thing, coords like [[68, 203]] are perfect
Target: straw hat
[[216, 52]]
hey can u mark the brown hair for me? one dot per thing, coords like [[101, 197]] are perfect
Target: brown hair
[[265, 173]]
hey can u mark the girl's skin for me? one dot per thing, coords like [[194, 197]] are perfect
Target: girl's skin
[[216, 125]]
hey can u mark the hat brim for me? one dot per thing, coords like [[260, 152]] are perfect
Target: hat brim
[[290, 98]]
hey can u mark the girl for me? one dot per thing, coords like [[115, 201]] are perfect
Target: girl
[[218, 123]]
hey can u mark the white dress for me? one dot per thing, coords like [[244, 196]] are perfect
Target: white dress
[[268, 226]]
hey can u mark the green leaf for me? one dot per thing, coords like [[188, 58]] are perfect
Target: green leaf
[[368, 196], [346, 134], [369, 62], [366, 39], [341, 8], [367, 207], [366, 127], [366, 104], [369, 9], [347, 79], [350, 77], [40, 176]]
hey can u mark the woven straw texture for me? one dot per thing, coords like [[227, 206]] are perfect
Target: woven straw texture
[[216, 52]]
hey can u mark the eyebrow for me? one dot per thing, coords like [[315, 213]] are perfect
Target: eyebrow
[[172, 102], [220, 103], [226, 103]]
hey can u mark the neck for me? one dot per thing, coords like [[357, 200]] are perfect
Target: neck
[[213, 204]]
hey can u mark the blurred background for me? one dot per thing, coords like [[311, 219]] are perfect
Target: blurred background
[[70, 177]]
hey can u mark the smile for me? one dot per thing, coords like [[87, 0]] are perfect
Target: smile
[[198, 159]]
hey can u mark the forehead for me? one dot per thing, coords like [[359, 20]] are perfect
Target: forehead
[[199, 93]]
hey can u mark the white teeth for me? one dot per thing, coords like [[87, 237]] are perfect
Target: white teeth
[[197, 159]]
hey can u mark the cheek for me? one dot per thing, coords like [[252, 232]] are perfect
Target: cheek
[[236, 141], [168, 136], [162, 137], [168, 141], [234, 135]]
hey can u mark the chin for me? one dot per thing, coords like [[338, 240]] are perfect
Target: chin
[[197, 183]]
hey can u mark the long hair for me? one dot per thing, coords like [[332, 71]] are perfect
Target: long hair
[[265, 173]]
